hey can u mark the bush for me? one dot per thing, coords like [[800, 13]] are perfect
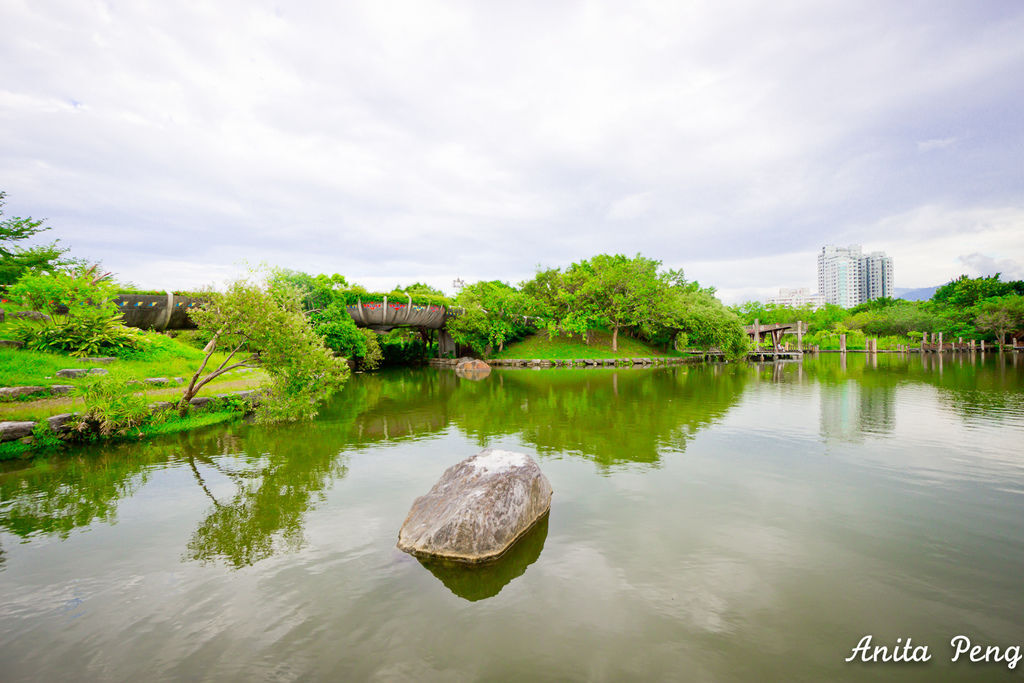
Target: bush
[[81, 317], [88, 334], [111, 407]]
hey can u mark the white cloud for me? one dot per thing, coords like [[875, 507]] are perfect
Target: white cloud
[[410, 140], [935, 143], [984, 265]]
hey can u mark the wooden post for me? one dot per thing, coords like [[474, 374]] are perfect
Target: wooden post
[[800, 335], [757, 333], [842, 343], [983, 346], [940, 341]]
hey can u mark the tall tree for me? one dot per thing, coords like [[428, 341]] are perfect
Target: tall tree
[[617, 290]]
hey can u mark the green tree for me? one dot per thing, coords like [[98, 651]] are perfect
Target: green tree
[[15, 259], [493, 313], [1000, 315], [615, 290], [966, 291], [265, 326]]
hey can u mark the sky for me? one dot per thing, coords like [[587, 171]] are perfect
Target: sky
[[180, 143]]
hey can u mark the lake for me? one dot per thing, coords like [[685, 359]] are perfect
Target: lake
[[709, 522]]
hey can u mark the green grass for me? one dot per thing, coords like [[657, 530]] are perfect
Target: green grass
[[166, 357], [163, 357], [563, 348]]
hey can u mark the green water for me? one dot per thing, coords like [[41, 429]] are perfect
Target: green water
[[725, 523]]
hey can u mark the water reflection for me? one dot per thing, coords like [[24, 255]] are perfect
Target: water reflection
[[612, 417], [479, 582], [277, 477], [261, 482]]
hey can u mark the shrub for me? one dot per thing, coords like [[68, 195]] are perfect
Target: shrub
[[111, 407], [81, 317], [87, 334]]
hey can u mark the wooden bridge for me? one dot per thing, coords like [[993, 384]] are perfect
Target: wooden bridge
[[758, 332]]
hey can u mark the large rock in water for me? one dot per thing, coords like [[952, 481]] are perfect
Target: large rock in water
[[478, 508]]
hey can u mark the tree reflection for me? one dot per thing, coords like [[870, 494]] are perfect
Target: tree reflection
[[613, 417]]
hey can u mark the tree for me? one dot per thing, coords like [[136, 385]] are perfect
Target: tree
[[493, 313], [1000, 315], [617, 290], [706, 323], [965, 291], [264, 326], [15, 259]]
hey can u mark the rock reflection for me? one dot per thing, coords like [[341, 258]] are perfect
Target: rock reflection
[[482, 581]]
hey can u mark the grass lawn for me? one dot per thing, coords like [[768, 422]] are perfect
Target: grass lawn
[[163, 357], [561, 348], [20, 368]]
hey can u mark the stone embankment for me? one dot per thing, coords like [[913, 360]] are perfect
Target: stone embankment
[[578, 362]]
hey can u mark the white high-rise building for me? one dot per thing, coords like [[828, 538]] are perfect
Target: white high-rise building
[[876, 276], [796, 298], [846, 277]]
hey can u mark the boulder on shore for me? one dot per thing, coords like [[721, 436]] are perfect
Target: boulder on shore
[[478, 508]]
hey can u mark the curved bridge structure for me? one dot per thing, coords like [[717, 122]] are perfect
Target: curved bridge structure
[[157, 311], [386, 315]]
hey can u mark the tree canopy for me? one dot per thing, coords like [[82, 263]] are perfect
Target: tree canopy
[[15, 258], [264, 325]]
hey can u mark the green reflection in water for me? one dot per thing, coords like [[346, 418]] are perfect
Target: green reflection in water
[[482, 581], [612, 417], [279, 475], [262, 481]]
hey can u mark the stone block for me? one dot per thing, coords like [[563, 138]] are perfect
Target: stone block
[[72, 372], [59, 423], [15, 392], [12, 431], [10, 344], [99, 371]]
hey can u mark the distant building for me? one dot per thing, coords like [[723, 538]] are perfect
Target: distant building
[[876, 276], [846, 277], [797, 298]]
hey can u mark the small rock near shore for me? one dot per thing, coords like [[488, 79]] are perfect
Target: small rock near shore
[[471, 368]]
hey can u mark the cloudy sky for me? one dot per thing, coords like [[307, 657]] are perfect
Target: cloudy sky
[[403, 141]]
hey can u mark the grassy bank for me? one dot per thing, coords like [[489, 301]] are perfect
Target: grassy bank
[[169, 424], [564, 348]]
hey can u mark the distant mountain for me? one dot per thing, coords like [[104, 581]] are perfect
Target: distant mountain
[[919, 294]]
